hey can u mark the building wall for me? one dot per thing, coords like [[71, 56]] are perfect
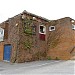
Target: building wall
[[2, 25], [61, 41], [58, 44], [1, 50], [31, 47], [25, 47], [11, 35]]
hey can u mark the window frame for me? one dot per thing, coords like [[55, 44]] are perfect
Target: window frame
[[73, 27], [2, 34], [44, 29], [51, 29]]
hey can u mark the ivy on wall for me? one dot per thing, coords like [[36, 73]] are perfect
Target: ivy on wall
[[28, 26], [29, 29], [27, 44]]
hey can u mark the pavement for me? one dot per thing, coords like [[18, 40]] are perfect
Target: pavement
[[47, 67]]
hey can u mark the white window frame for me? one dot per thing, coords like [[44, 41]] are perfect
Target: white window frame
[[34, 18], [51, 29], [1, 34], [73, 26], [72, 21], [43, 29]]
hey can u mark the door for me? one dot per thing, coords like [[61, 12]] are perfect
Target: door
[[1, 52], [7, 52], [42, 32]]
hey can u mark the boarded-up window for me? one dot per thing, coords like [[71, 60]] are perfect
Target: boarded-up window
[[42, 37], [6, 31]]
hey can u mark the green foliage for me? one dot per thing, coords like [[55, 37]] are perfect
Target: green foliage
[[28, 31], [27, 26], [57, 58], [49, 58], [27, 44]]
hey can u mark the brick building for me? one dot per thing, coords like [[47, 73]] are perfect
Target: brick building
[[29, 37]]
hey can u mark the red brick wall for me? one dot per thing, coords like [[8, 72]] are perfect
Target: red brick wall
[[38, 47], [57, 44], [65, 41]]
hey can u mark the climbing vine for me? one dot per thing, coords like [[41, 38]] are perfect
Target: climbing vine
[[27, 44], [29, 30], [27, 26]]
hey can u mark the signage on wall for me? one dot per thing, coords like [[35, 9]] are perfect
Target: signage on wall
[[1, 34]]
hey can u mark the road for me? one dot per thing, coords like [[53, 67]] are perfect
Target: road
[[50, 67]]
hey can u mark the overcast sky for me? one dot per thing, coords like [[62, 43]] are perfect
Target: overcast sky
[[50, 9]]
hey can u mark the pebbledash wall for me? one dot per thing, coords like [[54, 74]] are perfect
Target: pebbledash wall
[[35, 38]]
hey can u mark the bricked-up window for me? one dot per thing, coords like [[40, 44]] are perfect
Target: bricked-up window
[[73, 27], [6, 31]]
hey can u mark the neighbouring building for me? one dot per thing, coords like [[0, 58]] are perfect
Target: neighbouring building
[[28, 37]]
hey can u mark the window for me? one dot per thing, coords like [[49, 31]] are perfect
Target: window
[[42, 29], [73, 27], [34, 18], [72, 21], [51, 28], [23, 16], [1, 34]]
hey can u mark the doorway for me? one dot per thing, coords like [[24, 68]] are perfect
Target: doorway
[[7, 52]]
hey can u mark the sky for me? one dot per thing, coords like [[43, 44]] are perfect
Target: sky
[[50, 9]]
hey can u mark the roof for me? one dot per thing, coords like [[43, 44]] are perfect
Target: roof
[[25, 12], [28, 13]]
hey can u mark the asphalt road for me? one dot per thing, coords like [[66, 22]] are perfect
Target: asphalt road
[[51, 67]]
